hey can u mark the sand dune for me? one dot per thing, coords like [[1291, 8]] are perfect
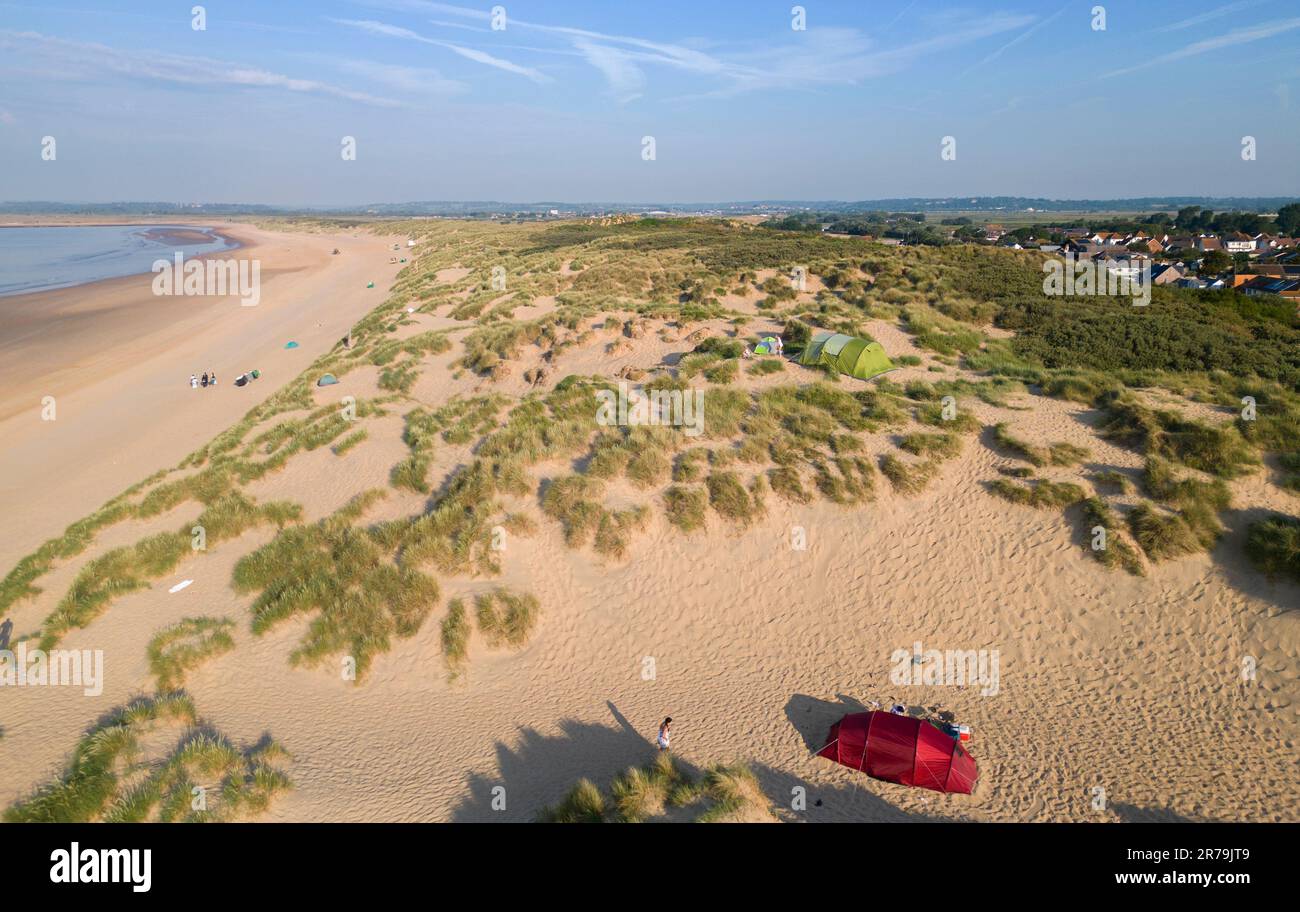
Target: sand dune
[[1126, 684]]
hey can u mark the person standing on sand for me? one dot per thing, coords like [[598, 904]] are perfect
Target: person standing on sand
[[665, 733], [212, 378], [194, 382]]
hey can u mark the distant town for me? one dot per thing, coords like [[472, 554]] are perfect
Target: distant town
[[1250, 252]]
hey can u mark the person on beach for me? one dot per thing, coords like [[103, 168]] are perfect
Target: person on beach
[[665, 733], [203, 381], [212, 378], [194, 382]]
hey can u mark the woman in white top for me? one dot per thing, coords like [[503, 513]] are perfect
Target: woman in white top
[[665, 733]]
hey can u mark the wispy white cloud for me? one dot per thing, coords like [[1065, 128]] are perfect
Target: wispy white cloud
[[1023, 36], [1210, 15], [818, 56], [413, 80], [87, 59], [901, 13], [397, 31], [1228, 39], [624, 78]]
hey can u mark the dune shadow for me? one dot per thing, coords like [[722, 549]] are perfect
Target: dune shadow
[[541, 769], [812, 717], [1229, 555], [1131, 813], [826, 802], [988, 437]]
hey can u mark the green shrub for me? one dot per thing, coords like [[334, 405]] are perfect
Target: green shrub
[[728, 497], [455, 637], [685, 507], [1273, 546], [1044, 494], [506, 619]]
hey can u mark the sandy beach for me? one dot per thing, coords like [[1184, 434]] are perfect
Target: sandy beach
[[117, 360], [1113, 685]]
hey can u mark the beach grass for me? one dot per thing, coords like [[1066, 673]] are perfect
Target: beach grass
[[686, 506], [1043, 494], [179, 648], [505, 618], [1110, 548], [116, 774], [907, 479], [455, 637], [1273, 546]]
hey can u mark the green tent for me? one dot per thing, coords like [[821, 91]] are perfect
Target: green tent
[[847, 354]]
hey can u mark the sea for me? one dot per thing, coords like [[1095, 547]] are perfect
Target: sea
[[41, 258]]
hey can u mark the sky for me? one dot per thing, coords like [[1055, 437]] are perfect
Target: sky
[[555, 100]]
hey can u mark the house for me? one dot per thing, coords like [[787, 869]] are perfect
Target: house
[[1166, 274], [1270, 270], [1268, 285], [1237, 242], [1086, 250], [1208, 242], [1107, 238], [1124, 268]]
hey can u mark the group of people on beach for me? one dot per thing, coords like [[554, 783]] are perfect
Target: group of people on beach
[[209, 378]]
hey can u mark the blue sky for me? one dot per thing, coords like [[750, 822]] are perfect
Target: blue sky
[[555, 105]]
